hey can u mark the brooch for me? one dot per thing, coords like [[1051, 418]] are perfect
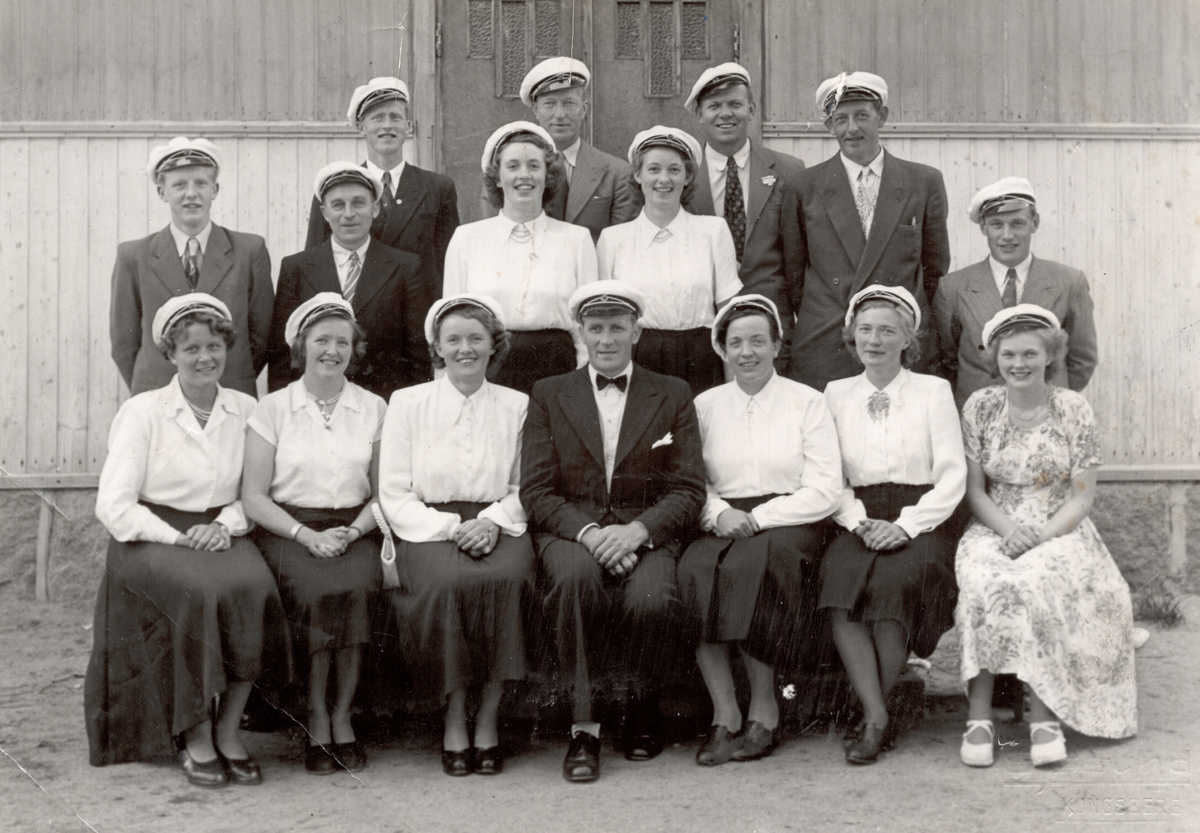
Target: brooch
[[768, 180]]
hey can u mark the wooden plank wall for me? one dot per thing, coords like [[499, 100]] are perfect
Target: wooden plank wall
[[1036, 62], [1126, 211]]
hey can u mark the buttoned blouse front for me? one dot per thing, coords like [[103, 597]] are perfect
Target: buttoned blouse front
[[439, 446], [158, 453], [781, 441], [684, 277], [320, 465], [531, 280], [916, 439]]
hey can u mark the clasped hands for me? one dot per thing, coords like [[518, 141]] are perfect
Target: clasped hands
[[734, 523], [477, 537], [615, 547], [1020, 541], [212, 537], [328, 544], [881, 535]]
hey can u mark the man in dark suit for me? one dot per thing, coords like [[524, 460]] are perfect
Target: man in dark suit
[[613, 480], [419, 211], [1007, 214], [863, 217], [192, 254], [381, 284], [598, 194]]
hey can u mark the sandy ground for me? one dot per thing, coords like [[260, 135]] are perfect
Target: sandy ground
[[46, 783]]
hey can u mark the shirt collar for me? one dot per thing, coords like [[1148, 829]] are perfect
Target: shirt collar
[[627, 372], [645, 230], [853, 168], [717, 160], [341, 254], [176, 402], [504, 226], [451, 401], [762, 399], [571, 152], [396, 172], [298, 396], [893, 387], [1000, 271], [181, 238]]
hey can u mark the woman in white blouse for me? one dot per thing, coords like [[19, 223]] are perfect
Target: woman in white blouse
[[187, 609], [888, 576], [684, 264], [448, 484], [774, 473], [312, 456], [528, 262]]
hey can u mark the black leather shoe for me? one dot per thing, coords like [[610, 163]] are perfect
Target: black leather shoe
[[488, 761], [643, 747], [718, 746], [852, 735], [757, 742], [349, 756], [867, 749], [245, 772], [210, 775], [318, 760], [457, 764], [583, 759]]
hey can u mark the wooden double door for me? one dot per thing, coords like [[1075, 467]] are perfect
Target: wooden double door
[[644, 56]]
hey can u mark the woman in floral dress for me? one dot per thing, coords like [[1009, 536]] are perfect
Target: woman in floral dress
[[1039, 594]]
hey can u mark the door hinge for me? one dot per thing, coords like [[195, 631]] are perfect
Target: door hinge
[[437, 40], [737, 43]]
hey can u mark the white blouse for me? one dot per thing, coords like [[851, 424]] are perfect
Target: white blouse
[[158, 452], [781, 441], [439, 446], [916, 439], [320, 465], [685, 273], [532, 281]]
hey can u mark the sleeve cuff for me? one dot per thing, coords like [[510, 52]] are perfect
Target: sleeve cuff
[[580, 534], [496, 514]]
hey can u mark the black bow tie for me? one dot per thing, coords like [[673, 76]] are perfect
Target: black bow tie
[[603, 381]]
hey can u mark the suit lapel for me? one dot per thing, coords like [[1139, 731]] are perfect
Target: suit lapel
[[981, 296], [216, 262], [843, 213], [760, 168], [893, 193], [166, 265], [702, 199], [641, 404], [322, 275], [1039, 289], [410, 191], [584, 181], [377, 268], [579, 405]]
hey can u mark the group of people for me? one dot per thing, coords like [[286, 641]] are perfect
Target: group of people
[[621, 426]]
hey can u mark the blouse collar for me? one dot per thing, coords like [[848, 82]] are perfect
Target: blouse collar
[[645, 230], [763, 399], [451, 402], [298, 396], [176, 403], [504, 227], [892, 389]]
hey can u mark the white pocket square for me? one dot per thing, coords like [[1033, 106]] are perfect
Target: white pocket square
[[666, 440]]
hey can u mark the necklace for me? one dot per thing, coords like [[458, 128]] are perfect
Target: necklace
[[325, 405], [1032, 415], [201, 415]]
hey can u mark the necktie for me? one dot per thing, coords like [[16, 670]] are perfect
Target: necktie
[[1010, 289], [603, 381], [662, 235], [352, 277], [191, 262], [570, 169], [521, 233], [385, 204], [863, 201], [735, 207]]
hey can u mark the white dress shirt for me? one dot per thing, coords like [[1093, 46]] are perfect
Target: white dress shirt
[[570, 155], [853, 169], [341, 259], [716, 163], [439, 446], [320, 465], [158, 452], [181, 238], [611, 404], [532, 281], [684, 277], [918, 441], [1000, 274], [396, 173], [781, 441]]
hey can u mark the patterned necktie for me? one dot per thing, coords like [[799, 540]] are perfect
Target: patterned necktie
[[662, 235], [352, 277], [735, 207], [385, 204], [603, 381], [863, 200], [521, 233], [191, 262], [1010, 289]]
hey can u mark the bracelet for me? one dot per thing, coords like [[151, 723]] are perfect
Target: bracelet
[[358, 533], [295, 531]]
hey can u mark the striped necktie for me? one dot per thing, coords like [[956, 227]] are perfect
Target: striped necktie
[[191, 262], [1010, 289], [352, 277]]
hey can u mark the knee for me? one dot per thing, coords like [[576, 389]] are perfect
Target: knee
[[569, 568]]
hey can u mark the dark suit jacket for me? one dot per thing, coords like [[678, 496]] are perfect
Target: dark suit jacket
[[599, 195], [235, 268], [562, 458], [827, 258], [387, 304], [968, 298], [421, 222]]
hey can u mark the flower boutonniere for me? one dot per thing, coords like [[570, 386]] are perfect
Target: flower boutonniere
[[768, 180]]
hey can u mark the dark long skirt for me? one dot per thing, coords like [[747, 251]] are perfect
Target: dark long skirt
[[759, 591], [173, 628], [534, 355], [913, 585], [687, 354], [458, 619]]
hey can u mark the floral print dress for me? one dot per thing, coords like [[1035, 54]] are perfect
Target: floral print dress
[[1059, 616]]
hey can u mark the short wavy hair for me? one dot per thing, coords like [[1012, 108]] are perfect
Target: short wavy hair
[[911, 353], [556, 172], [217, 325], [501, 340], [358, 340], [746, 312], [635, 187], [1054, 342]]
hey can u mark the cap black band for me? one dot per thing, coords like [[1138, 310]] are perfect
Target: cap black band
[[608, 301], [378, 97], [353, 177], [184, 158], [187, 309], [666, 141], [879, 295], [850, 94], [1020, 318], [320, 311], [462, 302], [997, 203], [571, 79]]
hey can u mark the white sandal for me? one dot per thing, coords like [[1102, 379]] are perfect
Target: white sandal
[[1051, 751], [978, 754]]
